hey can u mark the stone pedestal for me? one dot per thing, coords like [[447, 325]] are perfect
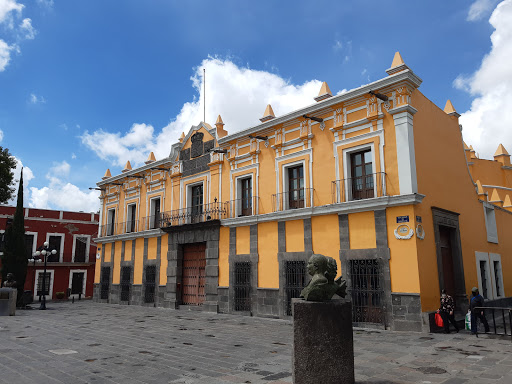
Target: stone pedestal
[[323, 344], [8, 301]]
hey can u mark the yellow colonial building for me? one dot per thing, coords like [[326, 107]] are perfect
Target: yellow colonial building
[[377, 178]]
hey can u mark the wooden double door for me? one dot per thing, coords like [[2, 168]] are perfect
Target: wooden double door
[[194, 274]]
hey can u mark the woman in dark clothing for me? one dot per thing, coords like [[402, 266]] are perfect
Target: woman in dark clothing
[[477, 301], [447, 311]]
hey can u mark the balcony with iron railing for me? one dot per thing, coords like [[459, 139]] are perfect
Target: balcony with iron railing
[[242, 207], [299, 198], [193, 215], [359, 188]]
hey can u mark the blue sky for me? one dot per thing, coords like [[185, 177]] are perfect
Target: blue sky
[[88, 85]]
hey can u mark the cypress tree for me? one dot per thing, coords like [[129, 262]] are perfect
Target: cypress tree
[[15, 259]]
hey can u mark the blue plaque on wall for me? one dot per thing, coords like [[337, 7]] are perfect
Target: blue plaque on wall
[[402, 219], [418, 219]]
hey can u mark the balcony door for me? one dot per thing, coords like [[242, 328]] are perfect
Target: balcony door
[[197, 203], [362, 175], [296, 187], [246, 189]]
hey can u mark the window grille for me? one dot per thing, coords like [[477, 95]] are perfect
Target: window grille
[[149, 287], [483, 276], [125, 283], [367, 292], [80, 249], [242, 286], [46, 284], [497, 281], [295, 280], [105, 283]]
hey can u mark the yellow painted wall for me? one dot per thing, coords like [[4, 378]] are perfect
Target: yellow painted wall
[[128, 250], [152, 245], [164, 245], [403, 263], [116, 270], [362, 230], [268, 266], [108, 252], [294, 236], [242, 240], [97, 271], [224, 257], [138, 262], [326, 237]]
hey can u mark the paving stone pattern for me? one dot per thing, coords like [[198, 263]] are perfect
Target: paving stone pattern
[[132, 344]]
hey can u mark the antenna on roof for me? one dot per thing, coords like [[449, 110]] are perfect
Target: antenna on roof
[[204, 95]]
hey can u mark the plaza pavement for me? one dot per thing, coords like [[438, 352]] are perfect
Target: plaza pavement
[[86, 342]]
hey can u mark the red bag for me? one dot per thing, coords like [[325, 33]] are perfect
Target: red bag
[[439, 320]]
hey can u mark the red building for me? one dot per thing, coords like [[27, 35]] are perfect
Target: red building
[[70, 234]]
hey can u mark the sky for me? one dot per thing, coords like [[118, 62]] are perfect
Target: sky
[[87, 85]]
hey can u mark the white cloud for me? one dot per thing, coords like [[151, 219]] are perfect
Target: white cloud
[[238, 94], [1, 135], [45, 3], [5, 54], [73, 156], [34, 99], [62, 195], [480, 8], [489, 119], [27, 30], [60, 169], [7, 8]]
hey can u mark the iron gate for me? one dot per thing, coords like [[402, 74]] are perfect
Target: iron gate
[[149, 286], [367, 292], [105, 283], [242, 286], [194, 273], [125, 283], [295, 280]]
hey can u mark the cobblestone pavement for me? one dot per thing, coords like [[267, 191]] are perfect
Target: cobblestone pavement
[[87, 342]]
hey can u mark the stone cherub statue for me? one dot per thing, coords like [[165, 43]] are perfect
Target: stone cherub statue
[[322, 286], [10, 282]]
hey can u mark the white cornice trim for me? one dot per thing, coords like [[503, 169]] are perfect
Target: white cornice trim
[[497, 187], [130, 236], [341, 208], [165, 161], [406, 75], [28, 219], [403, 108]]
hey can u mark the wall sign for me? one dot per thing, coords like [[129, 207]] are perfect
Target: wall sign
[[402, 219], [404, 232], [418, 219], [420, 233]]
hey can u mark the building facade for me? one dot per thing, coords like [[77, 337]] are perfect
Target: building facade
[[71, 235], [377, 178]]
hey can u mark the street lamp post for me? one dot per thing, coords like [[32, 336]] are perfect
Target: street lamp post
[[44, 253]]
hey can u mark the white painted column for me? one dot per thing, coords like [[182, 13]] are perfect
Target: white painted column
[[403, 117]]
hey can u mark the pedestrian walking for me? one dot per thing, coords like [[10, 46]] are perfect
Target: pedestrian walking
[[447, 311], [477, 301]]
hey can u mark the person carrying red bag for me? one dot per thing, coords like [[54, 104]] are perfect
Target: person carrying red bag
[[446, 311]]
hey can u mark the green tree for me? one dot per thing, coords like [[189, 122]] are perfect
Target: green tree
[[14, 259], [7, 165]]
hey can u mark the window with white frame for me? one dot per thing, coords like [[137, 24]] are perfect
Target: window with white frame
[[294, 185], [484, 275], [30, 244], [496, 275], [154, 218], [361, 180], [48, 284], [244, 200], [131, 217], [2, 241], [111, 222], [81, 246], [55, 241], [77, 280], [490, 223]]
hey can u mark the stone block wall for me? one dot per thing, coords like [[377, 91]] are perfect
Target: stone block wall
[[406, 310]]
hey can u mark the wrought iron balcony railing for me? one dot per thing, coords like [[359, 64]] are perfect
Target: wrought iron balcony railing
[[358, 188], [242, 207], [108, 230], [191, 215], [300, 198]]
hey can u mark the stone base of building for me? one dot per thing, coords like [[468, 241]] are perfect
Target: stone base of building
[[406, 310], [323, 344]]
